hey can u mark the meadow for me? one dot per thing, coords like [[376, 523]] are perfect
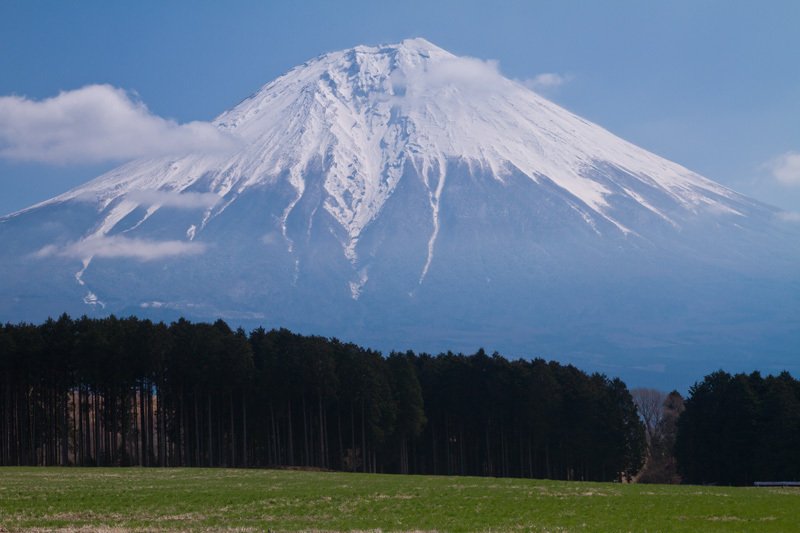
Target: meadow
[[177, 500]]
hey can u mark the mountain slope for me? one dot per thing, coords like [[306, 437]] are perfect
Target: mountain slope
[[405, 197]]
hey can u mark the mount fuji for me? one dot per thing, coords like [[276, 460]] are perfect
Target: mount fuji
[[403, 197]]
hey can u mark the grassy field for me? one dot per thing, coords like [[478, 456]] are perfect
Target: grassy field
[[137, 499]]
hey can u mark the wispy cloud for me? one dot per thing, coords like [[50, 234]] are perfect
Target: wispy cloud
[[548, 81], [466, 73], [119, 246], [94, 124], [180, 200], [470, 74], [789, 216], [462, 71], [786, 168]]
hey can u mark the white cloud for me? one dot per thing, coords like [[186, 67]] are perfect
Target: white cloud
[[466, 73], [119, 246], [180, 200], [786, 168], [789, 216], [96, 123], [547, 82], [469, 74], [462, 71]]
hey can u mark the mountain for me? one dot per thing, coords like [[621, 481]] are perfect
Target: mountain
[[402, 197]]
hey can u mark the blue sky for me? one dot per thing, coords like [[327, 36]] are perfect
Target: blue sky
[[712, 85]]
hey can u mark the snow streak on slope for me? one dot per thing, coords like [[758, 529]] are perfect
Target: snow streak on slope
[[435, 195]]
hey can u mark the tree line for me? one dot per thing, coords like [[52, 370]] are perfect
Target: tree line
[[125, 391], [737, 429]]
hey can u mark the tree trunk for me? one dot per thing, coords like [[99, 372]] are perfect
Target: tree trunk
[[210, 446], [151, 449], [95, 404], [323, 463], [183, 437], [7, 421], [82, 429], [162, 427], [306, 447], [488, 449], [403, 455], [339, 424], [530, 458], [547, 460], [365, 459], [196, 433], [244, 430], [433, 449], [291, 437], [353, 456], [143, 425], [461, 447], [274, 439], [220, 436], [447, 444], [75, 444]]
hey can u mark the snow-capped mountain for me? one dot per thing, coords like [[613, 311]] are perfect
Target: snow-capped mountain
[[403, 197]]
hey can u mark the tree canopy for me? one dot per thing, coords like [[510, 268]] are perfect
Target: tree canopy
[[740, 428]]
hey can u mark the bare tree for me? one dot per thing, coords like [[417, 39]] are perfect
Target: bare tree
[[661, 466], [650, 403]]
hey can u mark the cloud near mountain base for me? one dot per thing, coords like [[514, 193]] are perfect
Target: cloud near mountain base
[[119, 246], [176, 199]]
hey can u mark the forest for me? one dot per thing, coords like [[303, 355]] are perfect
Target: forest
[[738, 429], [124, 391]]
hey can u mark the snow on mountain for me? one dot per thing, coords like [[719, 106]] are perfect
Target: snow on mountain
[[399, 182], [368, 111]]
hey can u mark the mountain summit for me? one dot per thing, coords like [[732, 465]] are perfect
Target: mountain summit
[[404, 197]]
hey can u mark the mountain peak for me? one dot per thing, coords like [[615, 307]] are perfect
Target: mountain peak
[[351, 123], [417, 45], [371, 111]]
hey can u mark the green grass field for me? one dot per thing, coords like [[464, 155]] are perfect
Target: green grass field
[[138, 499]]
